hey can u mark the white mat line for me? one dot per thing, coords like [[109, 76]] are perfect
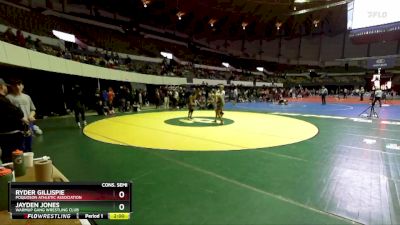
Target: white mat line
[[243, 185], [354, 119], [369, 136], [249, 187], [370, 150]]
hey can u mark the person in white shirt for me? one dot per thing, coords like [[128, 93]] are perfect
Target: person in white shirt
[[24, 102], [378, 97], [219, 104]]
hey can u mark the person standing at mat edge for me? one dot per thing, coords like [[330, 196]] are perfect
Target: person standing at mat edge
[[24, 102], [78, 105], [11, 124], [219, 104], [362, 92], [377, 97], [235, 95], [110, 97], [191, 104], [324, 93]]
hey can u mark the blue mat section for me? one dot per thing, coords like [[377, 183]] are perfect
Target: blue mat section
[[391, 112]]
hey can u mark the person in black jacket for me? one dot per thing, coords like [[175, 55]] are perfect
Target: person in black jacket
[[324, 93], [11, 117], [78, 105]]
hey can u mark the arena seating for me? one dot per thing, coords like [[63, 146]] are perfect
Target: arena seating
[[113, 41]]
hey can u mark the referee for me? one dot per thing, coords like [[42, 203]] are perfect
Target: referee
[[11, 125]]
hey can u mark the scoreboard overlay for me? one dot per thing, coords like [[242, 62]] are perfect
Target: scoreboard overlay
[[47, 200]]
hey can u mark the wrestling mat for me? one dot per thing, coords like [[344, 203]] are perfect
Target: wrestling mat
[[172, 130]]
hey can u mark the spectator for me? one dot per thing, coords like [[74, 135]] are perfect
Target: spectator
[[127, 60], [24, 102], [362, 92], [67, 54], [115, 56], [377, 97], [110, 63], [20, 38], [9, 36], [123, 99], [99, 103], [11, 124], [324, 93], [111, 96], [140, 98], [104, 96], [29, 42], [39, 45], [78, 105], [91, 60], [166, 94], [158, 98]]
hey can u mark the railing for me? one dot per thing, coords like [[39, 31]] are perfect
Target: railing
[[22, 57]]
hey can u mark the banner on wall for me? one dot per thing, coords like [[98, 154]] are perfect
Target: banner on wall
[[381, 63]]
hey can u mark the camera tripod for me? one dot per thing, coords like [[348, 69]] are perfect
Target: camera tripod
[[371, 111]]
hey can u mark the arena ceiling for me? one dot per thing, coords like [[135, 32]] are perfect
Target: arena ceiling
[[249, 19]]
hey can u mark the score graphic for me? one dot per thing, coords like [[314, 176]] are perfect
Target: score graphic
[[70, 200]]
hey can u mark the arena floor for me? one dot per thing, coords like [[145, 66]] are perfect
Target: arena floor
[[303, 163]]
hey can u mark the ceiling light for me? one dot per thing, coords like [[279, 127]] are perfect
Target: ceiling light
[[278, 25], [146, 3], [316, 22], [317, 8], [167, 55], [212, 22], [225, 64], [180, 14], [244, 25], [260, 69], [64, 36]]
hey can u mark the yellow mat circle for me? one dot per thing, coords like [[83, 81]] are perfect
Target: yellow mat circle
[[244, 131]]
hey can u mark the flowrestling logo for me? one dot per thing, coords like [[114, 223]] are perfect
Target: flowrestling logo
[[377, 14]]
